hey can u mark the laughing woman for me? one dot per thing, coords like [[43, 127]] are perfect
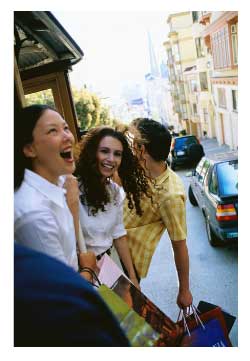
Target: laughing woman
[[42, 157], [105, 151]]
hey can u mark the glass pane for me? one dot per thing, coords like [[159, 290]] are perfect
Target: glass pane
[[204, 171], [213, 186], [228, 178], [185, 142], [41, 97]]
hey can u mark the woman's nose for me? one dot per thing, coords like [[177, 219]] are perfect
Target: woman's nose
[[111, 157], [67, 135]]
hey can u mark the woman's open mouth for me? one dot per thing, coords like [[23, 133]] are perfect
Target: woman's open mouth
[[67, 155]]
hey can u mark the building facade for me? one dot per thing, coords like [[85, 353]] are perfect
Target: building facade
[[221, 39], [189, 74], [202, 50]]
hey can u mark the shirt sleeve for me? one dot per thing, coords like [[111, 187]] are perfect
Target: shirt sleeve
[[41, 232], [173, 214], [119, 229]]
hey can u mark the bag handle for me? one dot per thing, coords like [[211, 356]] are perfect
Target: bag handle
[[93, 274], [183, 316]]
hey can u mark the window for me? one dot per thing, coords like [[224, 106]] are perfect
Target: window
[[195, 109], [204, 171], [176, 52], [213, 185], [234, 37], [203, 81], [205, 115], [193, 85], [195, 16], [41, 97], [199, 47], [199, 166], [220, 48], [222, 97], [235, 100], [228, 178]]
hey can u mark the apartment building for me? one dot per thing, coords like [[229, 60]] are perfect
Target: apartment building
[[202, 51], [189, 74], [220, 35]]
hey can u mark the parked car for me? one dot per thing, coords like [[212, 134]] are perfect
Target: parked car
[[214, 188], [185, 150]]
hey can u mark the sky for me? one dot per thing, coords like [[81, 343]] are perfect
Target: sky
[[115, 46]]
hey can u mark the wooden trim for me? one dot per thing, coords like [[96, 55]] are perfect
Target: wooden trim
[[46, 69], [223, 20], [58, 83], [204, 19], [67, 105], [227, 81], [19, 92]]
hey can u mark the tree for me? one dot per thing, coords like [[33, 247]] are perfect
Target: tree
[[41, 97]]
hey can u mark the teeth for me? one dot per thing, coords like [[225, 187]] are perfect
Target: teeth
[[108, 166]]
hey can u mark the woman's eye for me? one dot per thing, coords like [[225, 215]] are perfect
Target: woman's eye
[[66, 128], [118, 154], [52, 130]]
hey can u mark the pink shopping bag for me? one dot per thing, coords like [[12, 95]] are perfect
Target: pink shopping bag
[[109, 271]]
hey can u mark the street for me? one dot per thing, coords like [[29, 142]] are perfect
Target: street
[[213, 271]]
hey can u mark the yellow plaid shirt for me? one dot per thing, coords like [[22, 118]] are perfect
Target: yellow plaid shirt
[[168, 211]]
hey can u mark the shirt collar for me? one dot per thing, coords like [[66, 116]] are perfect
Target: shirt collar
[[161, 178], [55, 193]]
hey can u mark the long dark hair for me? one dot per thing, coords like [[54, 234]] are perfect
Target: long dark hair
[[25, 120], [132, 176]]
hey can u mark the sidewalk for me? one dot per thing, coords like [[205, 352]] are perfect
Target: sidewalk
[[211, 146]]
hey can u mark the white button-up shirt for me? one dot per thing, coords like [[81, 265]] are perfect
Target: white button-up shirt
[[43, 220], [100, 230]]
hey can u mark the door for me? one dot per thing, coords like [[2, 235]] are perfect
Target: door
[[221, 117], [199, 183]]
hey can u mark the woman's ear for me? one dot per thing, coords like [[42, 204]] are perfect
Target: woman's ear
[[143, 150], [29, 151]]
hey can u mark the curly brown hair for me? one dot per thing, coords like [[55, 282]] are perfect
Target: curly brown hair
[[132, 176]]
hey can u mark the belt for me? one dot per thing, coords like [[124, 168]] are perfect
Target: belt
[[108, 251]]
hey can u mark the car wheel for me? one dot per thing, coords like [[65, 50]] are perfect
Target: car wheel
[[191, 197], [212, 238]]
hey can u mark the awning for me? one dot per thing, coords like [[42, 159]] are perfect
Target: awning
[[190, 68]]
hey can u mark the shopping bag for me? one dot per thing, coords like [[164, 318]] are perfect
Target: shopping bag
[[170, 332], [137, 330], [204, 306], [109, 272], [205, 330]]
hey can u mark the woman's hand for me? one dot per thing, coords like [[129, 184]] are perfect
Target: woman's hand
[[87, 259], [184, 299]]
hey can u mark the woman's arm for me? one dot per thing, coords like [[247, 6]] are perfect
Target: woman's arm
[[86, 259], [122, 248], [72, 197]]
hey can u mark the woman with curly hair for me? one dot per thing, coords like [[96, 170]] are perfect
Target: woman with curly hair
[[104, 152]]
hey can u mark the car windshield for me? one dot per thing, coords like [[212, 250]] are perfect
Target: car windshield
[[185, 141], [228, 178]]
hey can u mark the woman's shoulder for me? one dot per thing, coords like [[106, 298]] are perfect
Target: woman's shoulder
[[117, 190]]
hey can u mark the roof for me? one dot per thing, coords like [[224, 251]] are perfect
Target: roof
[[221, 157], [41, 39]]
